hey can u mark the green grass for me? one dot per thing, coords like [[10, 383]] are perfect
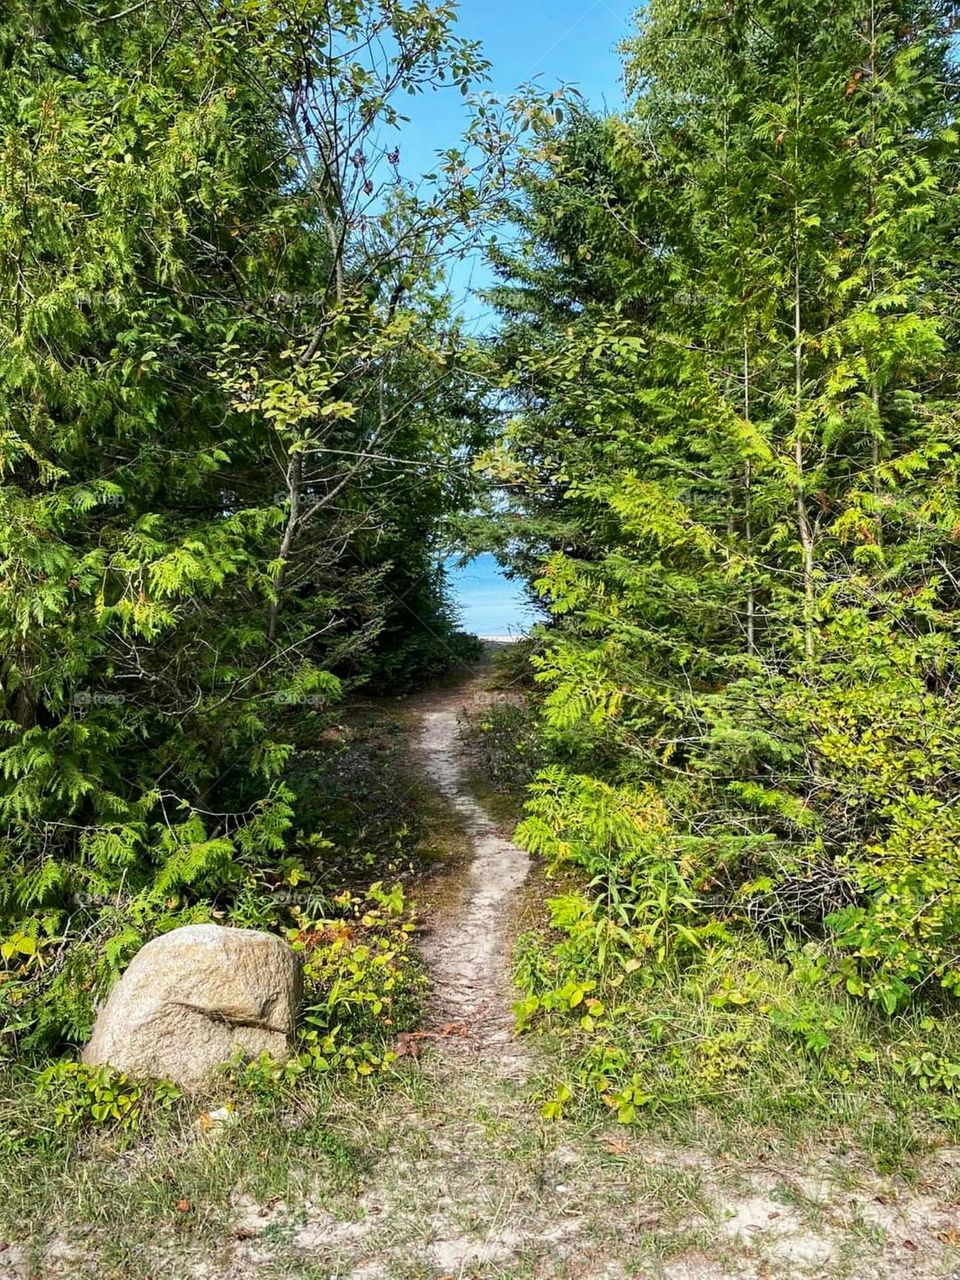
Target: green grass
[[118, 1193], [358, 786], [798, 1061], [502, 749], [438, 1168]]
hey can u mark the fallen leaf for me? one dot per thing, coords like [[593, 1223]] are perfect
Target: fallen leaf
[[407, 1045], [455, 1029], [183, 1206]]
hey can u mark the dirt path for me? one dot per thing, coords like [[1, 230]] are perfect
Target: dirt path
[[469, 942]]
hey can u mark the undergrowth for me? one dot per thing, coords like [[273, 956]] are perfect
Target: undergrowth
[[363, 979], [756, 1039], [658, 1012]]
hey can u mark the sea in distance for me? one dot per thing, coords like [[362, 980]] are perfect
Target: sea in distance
[[489, 604]]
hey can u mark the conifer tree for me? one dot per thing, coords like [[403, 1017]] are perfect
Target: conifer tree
[[232, 412], [754, 480]]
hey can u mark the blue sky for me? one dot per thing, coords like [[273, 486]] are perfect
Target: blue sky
[[551, 42], [556, 40]]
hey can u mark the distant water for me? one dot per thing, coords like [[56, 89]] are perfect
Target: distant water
[[491, 606]]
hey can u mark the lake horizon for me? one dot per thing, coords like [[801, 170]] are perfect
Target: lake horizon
[[489, 605]]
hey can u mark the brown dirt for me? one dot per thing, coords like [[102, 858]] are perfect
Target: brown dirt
[[468, 939]]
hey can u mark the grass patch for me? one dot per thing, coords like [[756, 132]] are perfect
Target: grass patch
[[732, 1045], [358, 789], [122, 1200], [502, 741]]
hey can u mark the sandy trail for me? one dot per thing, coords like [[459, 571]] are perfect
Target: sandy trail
[[469, 941]]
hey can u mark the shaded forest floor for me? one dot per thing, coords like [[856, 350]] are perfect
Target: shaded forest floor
[[445, 1170]]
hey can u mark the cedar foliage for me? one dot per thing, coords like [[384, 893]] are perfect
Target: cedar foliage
[[232, 413], [729, 347]]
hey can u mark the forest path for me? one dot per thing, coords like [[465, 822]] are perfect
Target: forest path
[[446, 1169], [469, 937]]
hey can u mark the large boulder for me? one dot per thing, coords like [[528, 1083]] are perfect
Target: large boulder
[[194, 996]]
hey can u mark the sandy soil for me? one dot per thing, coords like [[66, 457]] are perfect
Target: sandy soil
[[468, 941]]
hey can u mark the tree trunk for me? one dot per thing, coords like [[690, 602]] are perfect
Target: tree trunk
[[748, 513], [294, 472], [804, 527]]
